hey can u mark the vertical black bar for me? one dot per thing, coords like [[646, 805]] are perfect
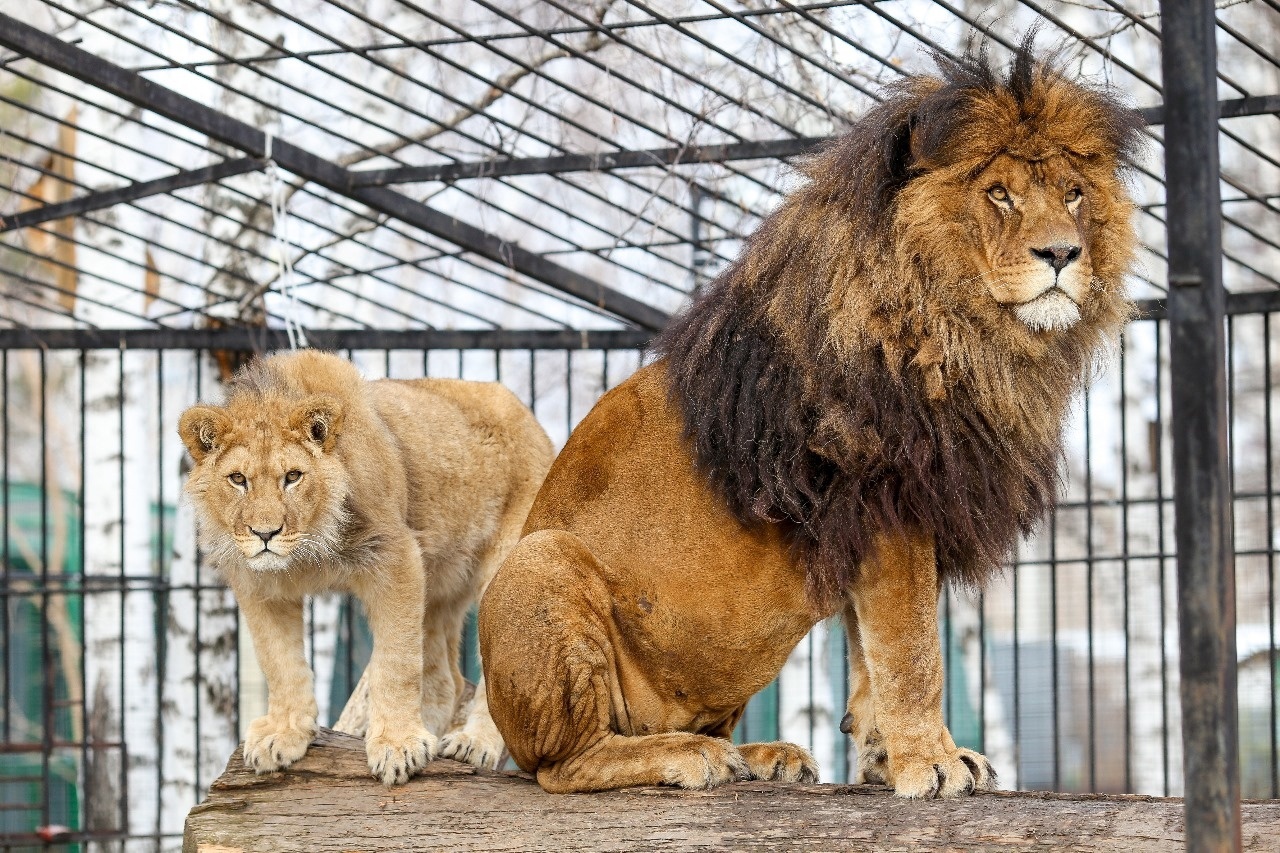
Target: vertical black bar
[[1088, 590], [197, 643], [48, 690], [698, 252], [1202, 497], [1124, 568], [532, 372], [6, 689], [164, 597], [1017, 684], [1274, 727], [1160, 547], [124, 600], [86, 801], [1054, 705]]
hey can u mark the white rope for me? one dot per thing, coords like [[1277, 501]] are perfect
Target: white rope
[[283, 247]]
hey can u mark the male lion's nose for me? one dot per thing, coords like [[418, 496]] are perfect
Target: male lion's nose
[[265, 535], [1057, 255]]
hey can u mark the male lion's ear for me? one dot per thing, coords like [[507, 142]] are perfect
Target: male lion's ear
[[202, 429], [318, 419]]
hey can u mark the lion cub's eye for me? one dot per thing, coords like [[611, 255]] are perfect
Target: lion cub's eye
[[1073, 195], [293, 476], [237, 479], [998, 193]]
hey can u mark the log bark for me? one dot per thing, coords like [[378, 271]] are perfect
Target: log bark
[[329, 802]]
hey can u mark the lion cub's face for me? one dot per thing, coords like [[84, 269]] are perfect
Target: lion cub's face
[[1034, 254], [266, 484]]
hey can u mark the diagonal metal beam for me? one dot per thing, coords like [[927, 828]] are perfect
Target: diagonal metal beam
[[683, 155], [133, 192], [689, 154], [1232, 108], [136, 89]]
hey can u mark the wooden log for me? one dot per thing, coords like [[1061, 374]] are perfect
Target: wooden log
[[329, 802]]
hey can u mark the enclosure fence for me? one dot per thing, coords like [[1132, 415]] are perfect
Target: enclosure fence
[[125, 692]]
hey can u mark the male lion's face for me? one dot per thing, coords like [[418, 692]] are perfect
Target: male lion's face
[[1034, 253], [265, 486]]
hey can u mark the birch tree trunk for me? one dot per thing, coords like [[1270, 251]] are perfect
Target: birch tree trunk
[[200, 688]]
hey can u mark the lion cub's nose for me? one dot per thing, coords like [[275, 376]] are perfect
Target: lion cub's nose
[[1057, 255], [265, 535]]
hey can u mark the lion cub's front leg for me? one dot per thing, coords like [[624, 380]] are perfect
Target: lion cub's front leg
[[282, 736], [396, 742], [895, 600]]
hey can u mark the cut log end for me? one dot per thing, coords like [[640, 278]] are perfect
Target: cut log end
[[329, 802]]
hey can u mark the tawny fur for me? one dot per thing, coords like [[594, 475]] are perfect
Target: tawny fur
[[407, 493], [867, 404]]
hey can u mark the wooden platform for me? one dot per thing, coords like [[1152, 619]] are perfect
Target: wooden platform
[[329, 802]]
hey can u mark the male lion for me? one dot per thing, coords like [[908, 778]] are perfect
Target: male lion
[[407, 493], [864, 406]]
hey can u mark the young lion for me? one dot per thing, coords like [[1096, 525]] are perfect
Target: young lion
[[407, 493]]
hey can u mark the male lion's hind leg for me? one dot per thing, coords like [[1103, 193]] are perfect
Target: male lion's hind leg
[[895, 600], [551, 680], [672, 758], [859, 721]]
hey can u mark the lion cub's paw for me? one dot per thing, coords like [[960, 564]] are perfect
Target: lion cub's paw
[[393, 759], [714, 761], [475, 748], [779, 762], [273, 743], [955, 775]]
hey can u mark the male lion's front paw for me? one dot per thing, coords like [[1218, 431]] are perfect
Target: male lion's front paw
[[394, 758], [473, 748], [712, 762], [949, 775], [779, 762], [273, 743]]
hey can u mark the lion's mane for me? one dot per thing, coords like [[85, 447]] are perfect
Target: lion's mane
[[837, 378]]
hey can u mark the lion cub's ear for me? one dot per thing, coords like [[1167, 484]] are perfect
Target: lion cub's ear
[[202, 429], [318, 419]]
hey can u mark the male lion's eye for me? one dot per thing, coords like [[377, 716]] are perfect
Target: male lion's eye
[[293, 476], [237, 479], [1073, 195], [998, 193]]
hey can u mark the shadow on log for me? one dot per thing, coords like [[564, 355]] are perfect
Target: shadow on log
[[329, 802]]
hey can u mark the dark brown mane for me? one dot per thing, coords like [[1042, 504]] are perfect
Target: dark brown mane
[[824, 382]]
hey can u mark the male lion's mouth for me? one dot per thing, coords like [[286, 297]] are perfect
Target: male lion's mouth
[[1052, 310]]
